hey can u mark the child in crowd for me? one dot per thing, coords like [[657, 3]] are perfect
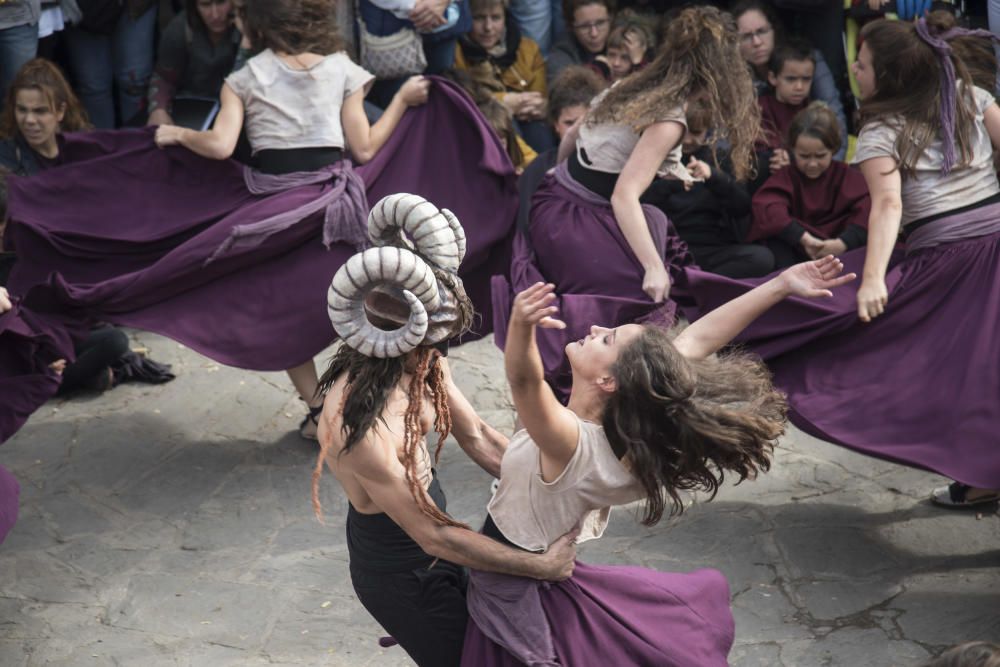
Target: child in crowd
[[500, 119], [712, 214], [790, 73], [630, 46], [510, 65], [817, 206]]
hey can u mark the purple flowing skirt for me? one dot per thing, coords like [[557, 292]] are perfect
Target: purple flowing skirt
[[919, 385], [127, 230], [575, 243], [624, 615]]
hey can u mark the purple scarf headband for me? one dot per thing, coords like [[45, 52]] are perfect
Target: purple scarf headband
[[948, 83]]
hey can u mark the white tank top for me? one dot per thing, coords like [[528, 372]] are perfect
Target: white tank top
[[533, 513]]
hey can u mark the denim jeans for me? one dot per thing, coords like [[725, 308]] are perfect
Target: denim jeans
[[541, 20], [18, 45], [104, 64]]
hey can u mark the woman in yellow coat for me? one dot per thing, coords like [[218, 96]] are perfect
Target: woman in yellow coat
[[497, 56]]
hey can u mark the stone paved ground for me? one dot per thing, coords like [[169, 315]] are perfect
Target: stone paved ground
[[172, 526]]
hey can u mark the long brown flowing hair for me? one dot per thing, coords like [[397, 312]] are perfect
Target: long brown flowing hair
[[684, 423], [42, 75], [700, 57], [370, 383], [908, 92], [292, 26]]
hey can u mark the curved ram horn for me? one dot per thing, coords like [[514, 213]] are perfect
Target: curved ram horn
[[431, 230], [367, 270]]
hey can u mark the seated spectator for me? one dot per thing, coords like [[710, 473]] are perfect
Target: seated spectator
[[18, 37], [103, 358], [197, 52], [39, 106], [817, 206], [511, 66], [569, 98], [759, 33], [712, 214], [588, 23], [630, 46], [111, 58], [502, 122]]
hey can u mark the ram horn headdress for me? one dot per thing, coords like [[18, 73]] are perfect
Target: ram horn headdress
[[409, 278]]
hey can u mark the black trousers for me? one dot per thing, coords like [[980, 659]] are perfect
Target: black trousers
[[423, 609], [420, 601], [101, 348], [745, 260]]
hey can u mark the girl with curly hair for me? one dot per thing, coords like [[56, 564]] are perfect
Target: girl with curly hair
[[609, 255], [651, 414]]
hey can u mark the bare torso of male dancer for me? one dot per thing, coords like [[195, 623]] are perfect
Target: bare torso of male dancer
[[382, 446]]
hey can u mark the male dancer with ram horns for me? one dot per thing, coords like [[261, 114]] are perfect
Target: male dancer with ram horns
[[406, 554]]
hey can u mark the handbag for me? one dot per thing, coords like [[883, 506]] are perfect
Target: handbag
[[100, 16], [392, 56]]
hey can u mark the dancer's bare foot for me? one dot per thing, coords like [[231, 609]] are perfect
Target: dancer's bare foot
[[957, 494]]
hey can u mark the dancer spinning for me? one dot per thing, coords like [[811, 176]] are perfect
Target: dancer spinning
[[233, 261], [406, 554], [905, 368], [650, 415], [609, 256]]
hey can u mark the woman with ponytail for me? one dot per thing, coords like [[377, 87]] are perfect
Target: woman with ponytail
[[611, 257], [926, 151], [651, 414]]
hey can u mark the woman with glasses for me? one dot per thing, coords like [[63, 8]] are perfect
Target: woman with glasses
[[588, 24], [760, 31]]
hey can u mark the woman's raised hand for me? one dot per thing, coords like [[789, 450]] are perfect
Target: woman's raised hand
[[816, 278], [872, 299], [414, 91], [535, 307]]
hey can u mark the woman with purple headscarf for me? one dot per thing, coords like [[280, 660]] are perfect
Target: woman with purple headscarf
[[905, 368]]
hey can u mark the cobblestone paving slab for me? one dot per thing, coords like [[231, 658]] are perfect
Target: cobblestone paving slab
[[172, 526]]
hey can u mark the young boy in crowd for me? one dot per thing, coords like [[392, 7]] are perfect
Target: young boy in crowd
[[790, 73]]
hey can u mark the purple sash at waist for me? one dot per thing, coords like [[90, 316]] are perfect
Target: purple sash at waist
[[345, 202], [655, 218], [959, 227]]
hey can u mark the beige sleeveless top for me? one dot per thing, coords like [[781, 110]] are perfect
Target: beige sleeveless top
[[533, 513]]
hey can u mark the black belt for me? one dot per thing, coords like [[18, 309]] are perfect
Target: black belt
[[290, 160], [600, 183]]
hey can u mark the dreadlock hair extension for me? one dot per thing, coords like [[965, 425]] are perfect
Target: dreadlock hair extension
[[700, 57], [684, 423], [370, 383]]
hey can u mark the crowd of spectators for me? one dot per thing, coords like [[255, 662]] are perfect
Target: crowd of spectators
[[532, 66]]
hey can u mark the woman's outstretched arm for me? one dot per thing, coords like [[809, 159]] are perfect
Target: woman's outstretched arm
[[719, 327], [215, 144], [365, 140], [552, 427], [654, 145]]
